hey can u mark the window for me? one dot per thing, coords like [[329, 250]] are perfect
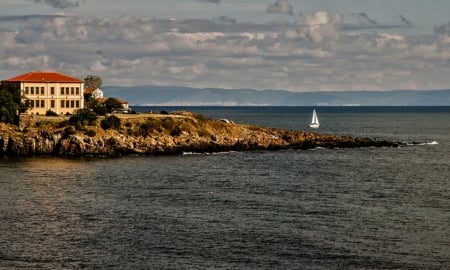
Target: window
[[42, 90], [42, 103], [32, 103], [32, 90], [67, 104], [72, 91], [52, 103], [78, 104], [78, 91], [62, 90], [36, 103], [67, 91], [27, 90], [52, 91], [72, 104], [62, 103]]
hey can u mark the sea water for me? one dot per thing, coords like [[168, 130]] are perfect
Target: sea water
[[362, 208]]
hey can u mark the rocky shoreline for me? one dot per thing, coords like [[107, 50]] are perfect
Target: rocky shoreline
[[172, 134]]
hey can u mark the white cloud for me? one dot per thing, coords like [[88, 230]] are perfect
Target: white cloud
[[281, 7], [320, 26], [317, 52]]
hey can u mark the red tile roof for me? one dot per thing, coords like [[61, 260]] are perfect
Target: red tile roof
[[45, 76]]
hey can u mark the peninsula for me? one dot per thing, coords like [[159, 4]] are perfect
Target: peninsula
[[157, 134]]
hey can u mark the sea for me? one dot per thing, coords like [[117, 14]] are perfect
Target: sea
[[360, 208]]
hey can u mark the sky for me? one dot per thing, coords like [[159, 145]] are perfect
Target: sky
[[295, 45]]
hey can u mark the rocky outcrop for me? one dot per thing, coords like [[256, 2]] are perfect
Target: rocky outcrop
[[168, 135]]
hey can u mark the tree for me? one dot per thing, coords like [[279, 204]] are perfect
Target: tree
[[92, 82], [97, 106], [111, 104], [83, 117], [11, 103]]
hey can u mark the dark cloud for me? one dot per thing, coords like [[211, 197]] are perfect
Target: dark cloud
[[281, 7], [404, 20], [61, 4], [442, 29], [367, 23], [210, 1], [221, 24], [28, 17], [365, 17], [225, 20]]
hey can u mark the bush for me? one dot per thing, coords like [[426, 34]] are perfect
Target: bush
[[110, 122], [169, 124], [149, 126], [83, 117], [51, 113], [63, 124], [100, 110], [90, 132]]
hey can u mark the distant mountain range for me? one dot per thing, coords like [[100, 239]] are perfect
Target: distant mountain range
[[185, 96]]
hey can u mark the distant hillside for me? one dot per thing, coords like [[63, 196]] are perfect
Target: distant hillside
[[166, 95]]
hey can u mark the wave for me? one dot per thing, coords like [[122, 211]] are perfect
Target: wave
[[425, 143], [207, 153]]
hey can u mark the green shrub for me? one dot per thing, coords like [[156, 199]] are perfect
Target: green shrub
[[150, 126], [110, 122], [63, 124], [83, 117], [169, 124], [51, 113], [90, 132]]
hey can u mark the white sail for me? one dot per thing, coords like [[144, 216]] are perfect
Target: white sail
[[314, 121]]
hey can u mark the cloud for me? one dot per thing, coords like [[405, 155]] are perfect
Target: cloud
[[405, 20], [27, 17], [320, 26], [365, 17], [442, 29], [210, 1], [281, 7], [61, 4], [365, 22], [225, 20], [223, 52]]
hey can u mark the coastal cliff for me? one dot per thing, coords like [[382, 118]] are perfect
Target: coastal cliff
[[171, 134]]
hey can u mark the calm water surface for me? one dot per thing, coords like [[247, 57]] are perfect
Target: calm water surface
[[372, 208]]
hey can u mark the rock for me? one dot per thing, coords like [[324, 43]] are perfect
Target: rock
[[185, 132]]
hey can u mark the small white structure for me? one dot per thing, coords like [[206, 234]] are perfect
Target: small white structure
[[97, 93]]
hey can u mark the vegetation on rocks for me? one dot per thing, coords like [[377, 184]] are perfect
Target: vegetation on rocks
[[85, 134], [111, 122]]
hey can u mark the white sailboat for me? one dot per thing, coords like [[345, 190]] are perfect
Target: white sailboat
[[314, 121]]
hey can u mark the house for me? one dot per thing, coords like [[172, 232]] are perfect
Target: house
[[47, 90], [124, 104], [98, 95], [92, 93]]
